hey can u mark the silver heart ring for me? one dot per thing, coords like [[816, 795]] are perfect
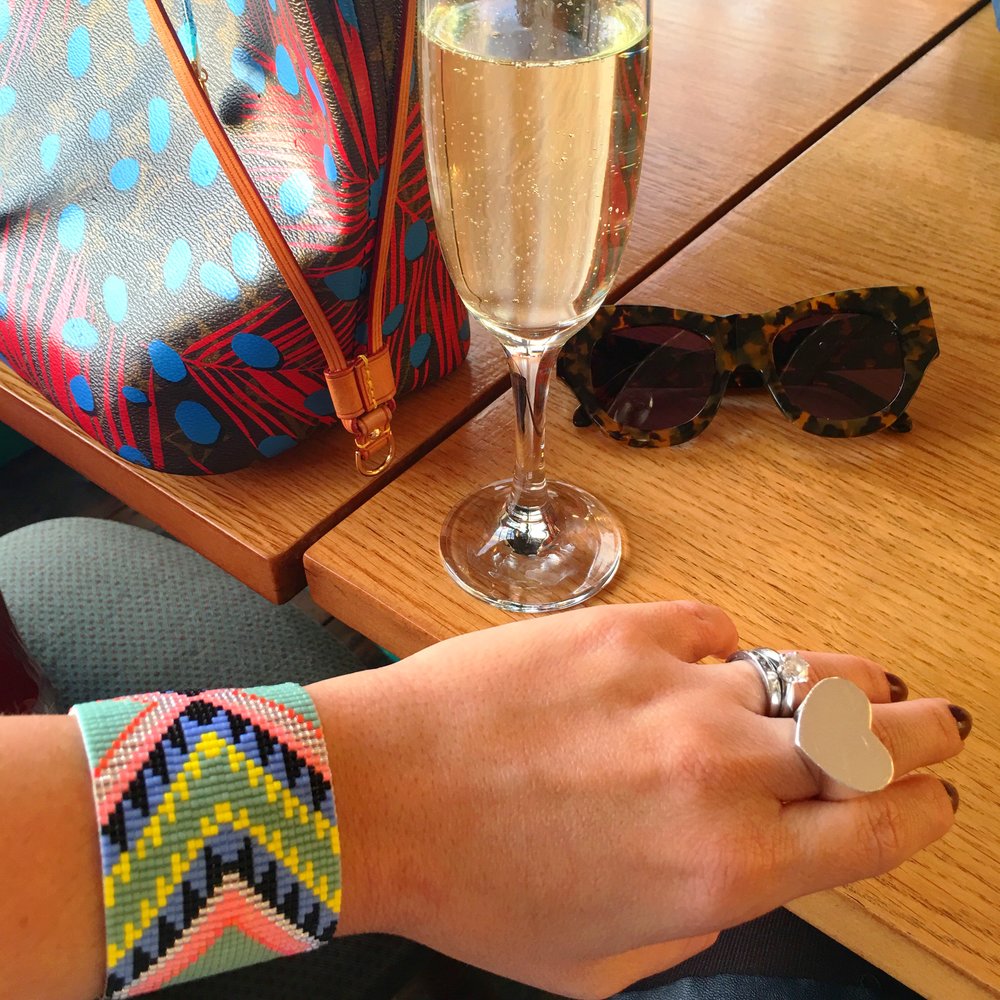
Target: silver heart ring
[[780, 672], [833, 733]]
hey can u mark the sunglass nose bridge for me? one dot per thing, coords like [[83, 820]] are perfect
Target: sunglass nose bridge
[[746, 377]]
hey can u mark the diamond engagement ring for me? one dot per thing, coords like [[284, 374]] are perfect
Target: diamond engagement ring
[[780, 673]]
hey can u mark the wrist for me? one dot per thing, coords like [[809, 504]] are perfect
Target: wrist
[[356, 715]]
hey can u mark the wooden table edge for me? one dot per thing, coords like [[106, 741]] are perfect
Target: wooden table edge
[[277, 578], [330, 590], [932, 977]]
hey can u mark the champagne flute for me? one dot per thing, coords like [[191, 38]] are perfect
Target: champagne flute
[[534, 117]]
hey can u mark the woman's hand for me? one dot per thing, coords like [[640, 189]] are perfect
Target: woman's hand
[[575, 803]]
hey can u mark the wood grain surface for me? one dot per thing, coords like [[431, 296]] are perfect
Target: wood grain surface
[[885, 545], [737, 88], [256, 523]]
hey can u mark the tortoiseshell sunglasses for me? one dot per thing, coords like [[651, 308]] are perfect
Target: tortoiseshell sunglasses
[[839, 365]]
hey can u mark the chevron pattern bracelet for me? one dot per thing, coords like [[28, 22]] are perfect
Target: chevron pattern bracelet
[[219, 840]]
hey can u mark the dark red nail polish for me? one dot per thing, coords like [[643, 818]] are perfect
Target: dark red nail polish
[[898, 691], [952, 794], [963, 717]]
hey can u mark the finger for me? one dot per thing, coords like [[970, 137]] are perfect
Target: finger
[[833, 843], [691, 630], [745, 683], [612, 975], [916, 734]]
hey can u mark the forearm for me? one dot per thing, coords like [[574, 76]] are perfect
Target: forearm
[[51, 910]]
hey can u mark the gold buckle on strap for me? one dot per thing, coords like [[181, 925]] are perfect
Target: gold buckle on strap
[[362, 456]]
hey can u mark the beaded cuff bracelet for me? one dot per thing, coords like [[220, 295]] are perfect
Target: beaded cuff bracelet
[[219, 840]]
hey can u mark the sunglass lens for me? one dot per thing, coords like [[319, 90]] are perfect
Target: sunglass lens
[[839, 366], [653, 377]]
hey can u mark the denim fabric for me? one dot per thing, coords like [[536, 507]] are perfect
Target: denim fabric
[[750, 988]]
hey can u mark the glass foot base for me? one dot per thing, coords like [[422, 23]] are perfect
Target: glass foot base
[[544, 560]]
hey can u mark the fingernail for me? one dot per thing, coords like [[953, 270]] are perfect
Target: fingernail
[[952, 794], [898, 691], [964, 719]]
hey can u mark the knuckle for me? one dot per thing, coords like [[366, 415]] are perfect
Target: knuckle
[[611, 627], [694, 623]]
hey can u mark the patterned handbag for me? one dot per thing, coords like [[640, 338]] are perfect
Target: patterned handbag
[[215, 227]]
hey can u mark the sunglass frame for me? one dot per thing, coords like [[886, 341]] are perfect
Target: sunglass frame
[[742, 339]]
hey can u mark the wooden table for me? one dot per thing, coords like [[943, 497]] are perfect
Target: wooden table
[[886, 545], [738, 89]]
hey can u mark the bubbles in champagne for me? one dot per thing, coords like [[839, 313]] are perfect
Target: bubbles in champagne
[[534, 130]]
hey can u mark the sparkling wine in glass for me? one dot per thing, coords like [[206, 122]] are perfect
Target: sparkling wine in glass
[[534, 119]]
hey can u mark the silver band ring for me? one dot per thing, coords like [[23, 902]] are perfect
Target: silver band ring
[[781, 674], [773, 692]]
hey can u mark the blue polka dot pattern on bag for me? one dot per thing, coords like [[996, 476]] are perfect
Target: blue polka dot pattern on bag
[[375, 194], [419, 349], [196, 422], [124, 174], [78, 52], [99, 127], [204, 165], [314, 87], [167, 363], [134, 395], [48, 152], [329, 164], [80, 334], [346, 284], [296, 194], [139, 20], [218, 281], [245, 255], [177, 265], [149, 280], [284, 70], [415, 242], [115, 298], [320, 403], [256, 351], [82, 394], [71, 227], [393, 319], [134, 456], [275, 445]]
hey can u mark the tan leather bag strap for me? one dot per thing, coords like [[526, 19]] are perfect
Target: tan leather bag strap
[[363, 391]]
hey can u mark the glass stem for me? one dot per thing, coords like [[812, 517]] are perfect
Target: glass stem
[[526, 522]]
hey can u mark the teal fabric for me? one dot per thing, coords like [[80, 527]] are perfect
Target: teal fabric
[[109, 609]]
